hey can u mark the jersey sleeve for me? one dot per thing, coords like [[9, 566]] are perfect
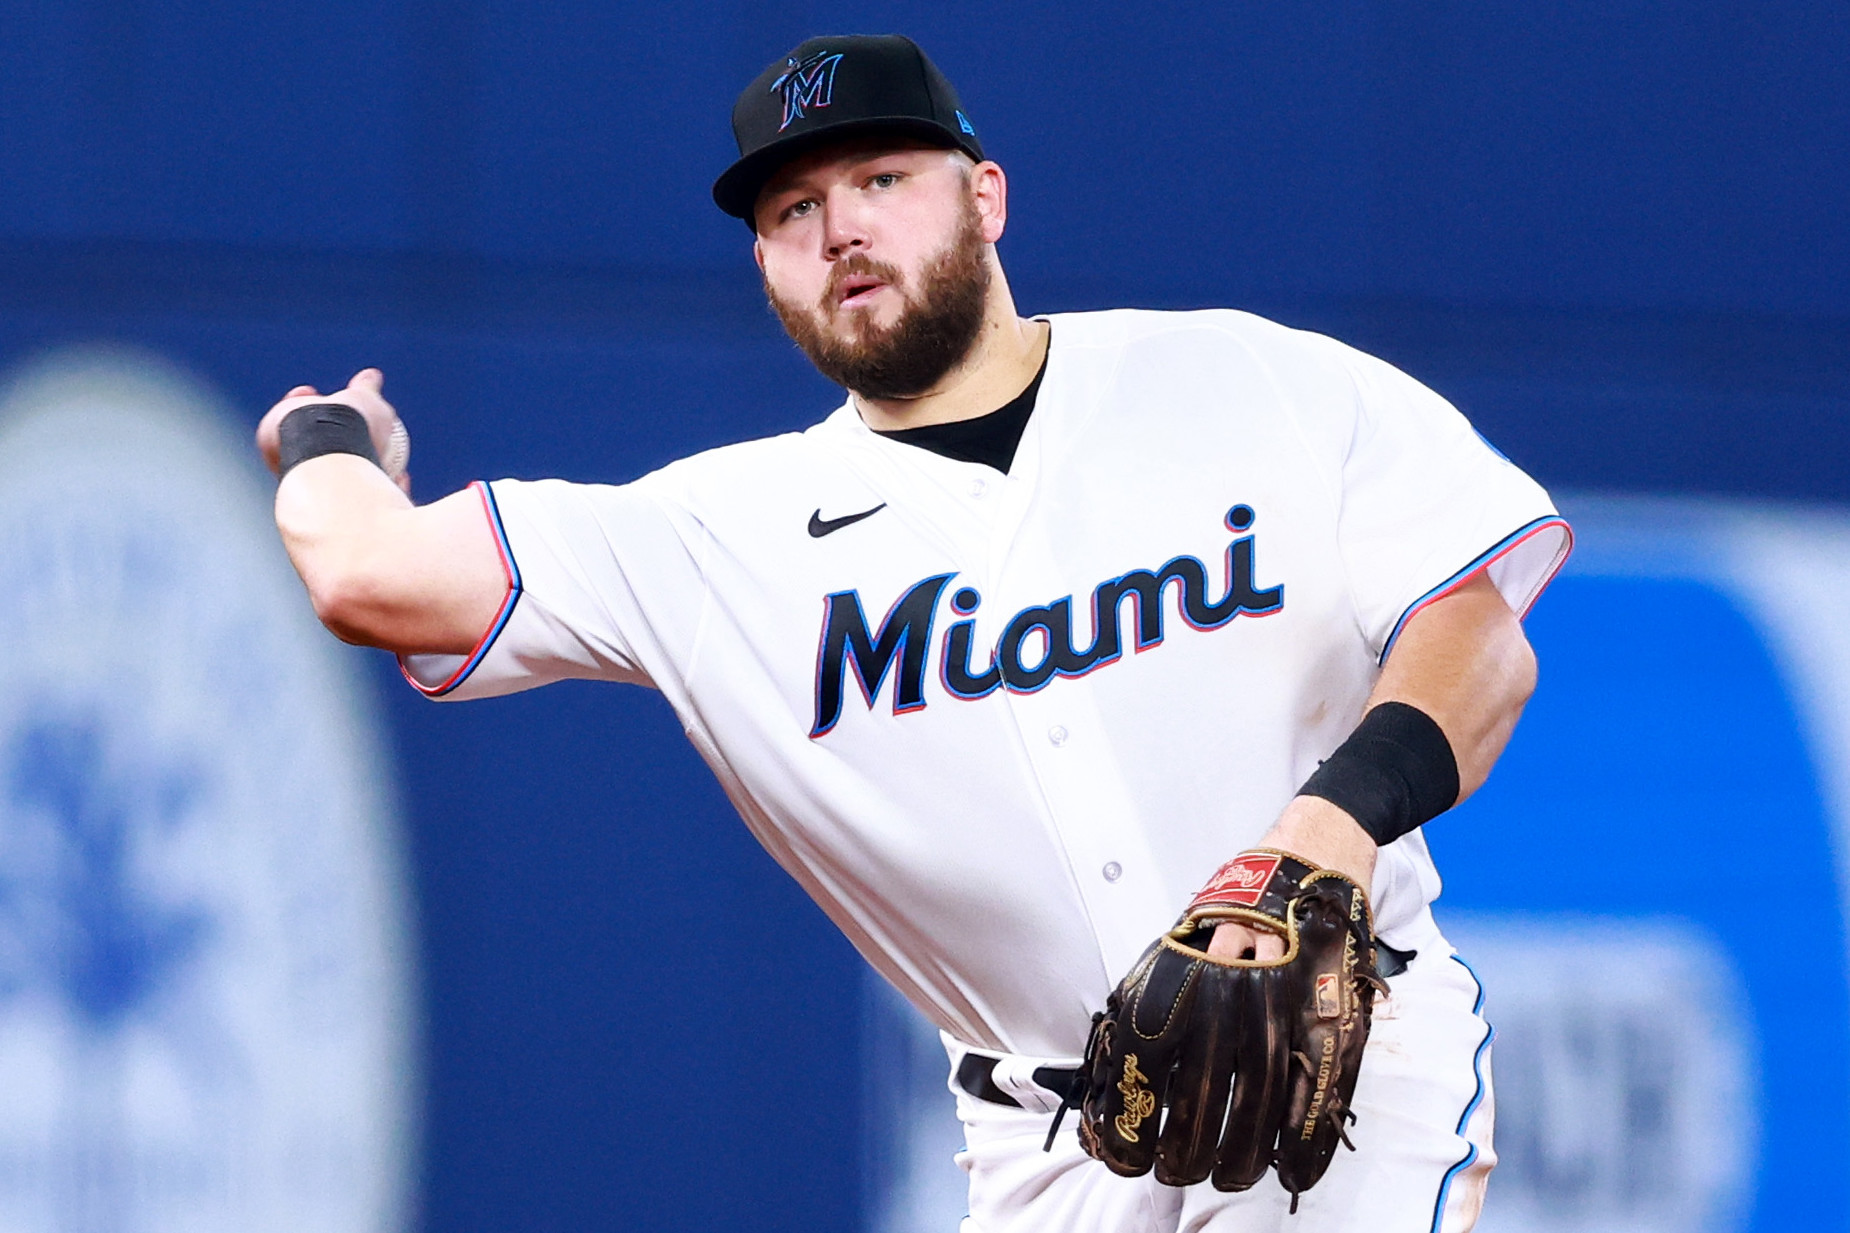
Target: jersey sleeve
[[1426, 504], [603, 584]]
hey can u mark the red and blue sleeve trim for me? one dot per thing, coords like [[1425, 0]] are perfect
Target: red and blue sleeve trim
[[1484, 561], [508, 604]]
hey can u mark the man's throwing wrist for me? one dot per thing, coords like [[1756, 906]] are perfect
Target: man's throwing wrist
[[335, 428]]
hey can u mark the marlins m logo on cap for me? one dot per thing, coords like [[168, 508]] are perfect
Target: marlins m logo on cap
[[809, 83], [837, 87]]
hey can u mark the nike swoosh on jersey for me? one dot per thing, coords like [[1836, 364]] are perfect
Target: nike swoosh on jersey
[[820, 526]]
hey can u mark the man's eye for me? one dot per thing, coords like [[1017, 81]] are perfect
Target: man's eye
[[886, 179], [802, 209]]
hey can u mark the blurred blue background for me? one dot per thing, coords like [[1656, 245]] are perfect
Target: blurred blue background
[[1613, 234]]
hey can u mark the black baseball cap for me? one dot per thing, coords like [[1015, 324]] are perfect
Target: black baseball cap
[[832, 88]]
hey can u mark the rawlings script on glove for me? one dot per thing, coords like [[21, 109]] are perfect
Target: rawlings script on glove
[[1207, 1068]]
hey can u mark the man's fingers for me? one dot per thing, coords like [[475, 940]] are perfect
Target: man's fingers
[[302, 390], [369, 379], [1234, 940], [1231, 940]]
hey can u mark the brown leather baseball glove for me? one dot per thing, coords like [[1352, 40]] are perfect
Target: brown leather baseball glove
[[1202, 1068]]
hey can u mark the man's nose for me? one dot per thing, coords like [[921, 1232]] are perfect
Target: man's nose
[[844, 228]]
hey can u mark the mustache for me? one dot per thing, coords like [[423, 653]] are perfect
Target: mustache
[[853, 265]]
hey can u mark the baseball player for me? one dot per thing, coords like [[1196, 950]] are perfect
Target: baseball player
[[1094, 672]]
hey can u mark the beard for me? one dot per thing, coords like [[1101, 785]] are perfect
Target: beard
[[933, 333]]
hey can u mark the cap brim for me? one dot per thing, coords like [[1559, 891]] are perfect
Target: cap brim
[[736, 191]]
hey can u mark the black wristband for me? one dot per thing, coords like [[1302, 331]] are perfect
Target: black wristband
[[322, 428], [1395, 773]]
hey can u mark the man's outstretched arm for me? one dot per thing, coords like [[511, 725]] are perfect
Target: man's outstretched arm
[[379, 570]]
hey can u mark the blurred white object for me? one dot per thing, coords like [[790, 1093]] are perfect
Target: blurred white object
[[206, 1019], [913, 1183], [1624, 1069]]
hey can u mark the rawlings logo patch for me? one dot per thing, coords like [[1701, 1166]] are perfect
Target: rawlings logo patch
[[1240, 882]]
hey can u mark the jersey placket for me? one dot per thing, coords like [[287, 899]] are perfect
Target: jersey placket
[[1088, 810], [1093, 819]]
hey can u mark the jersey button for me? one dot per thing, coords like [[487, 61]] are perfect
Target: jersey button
[[978, 486], [1057, 734], [1112, 871]]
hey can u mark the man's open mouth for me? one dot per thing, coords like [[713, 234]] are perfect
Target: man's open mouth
[[858, 287]]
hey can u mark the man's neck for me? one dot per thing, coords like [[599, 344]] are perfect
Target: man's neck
[[1007, 353]]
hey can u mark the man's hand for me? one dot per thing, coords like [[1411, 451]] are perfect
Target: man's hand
[[363, 394], [379, 570], [1321, 834]]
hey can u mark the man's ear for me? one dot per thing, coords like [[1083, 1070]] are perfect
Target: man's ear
[[758, 253], [989, 190]]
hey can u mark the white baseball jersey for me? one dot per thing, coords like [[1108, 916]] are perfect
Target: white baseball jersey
[[1002, 726]]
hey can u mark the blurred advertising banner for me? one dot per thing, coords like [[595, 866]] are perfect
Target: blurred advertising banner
[[206, 1007], [1625, 1092], [1651, 889]]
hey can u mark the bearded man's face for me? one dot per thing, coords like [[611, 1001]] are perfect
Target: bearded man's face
[[850, 270]]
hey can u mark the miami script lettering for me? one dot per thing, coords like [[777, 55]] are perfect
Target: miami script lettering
[[1039, 645]]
